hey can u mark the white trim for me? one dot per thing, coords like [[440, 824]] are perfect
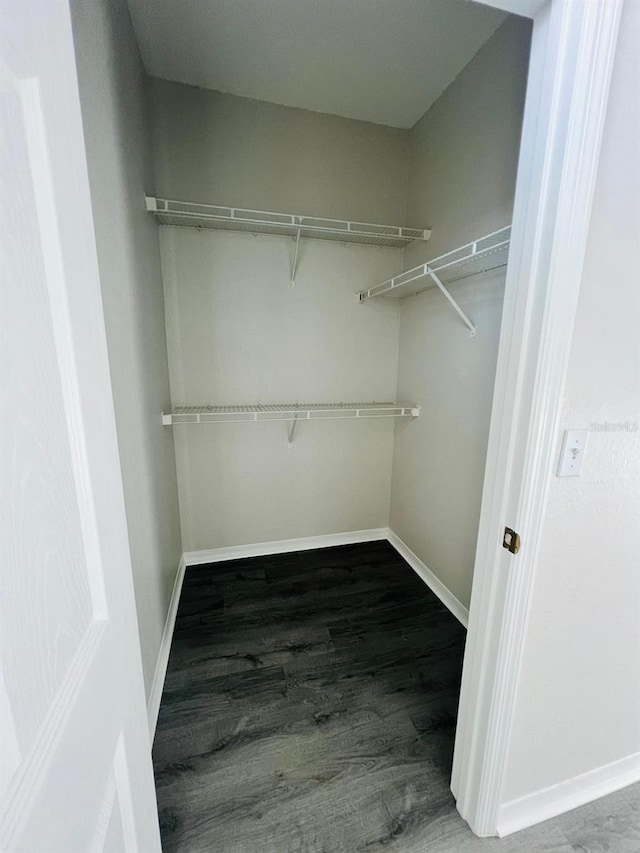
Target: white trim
[[573, 50], [435, 584], [282, 546], [557, 799], [157, 685], [330, 540]]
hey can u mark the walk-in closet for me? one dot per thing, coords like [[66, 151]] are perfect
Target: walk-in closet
[[303, 214]]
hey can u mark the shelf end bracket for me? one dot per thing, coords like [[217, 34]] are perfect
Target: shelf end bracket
[[292, 430], [452, 302], [295, 260]]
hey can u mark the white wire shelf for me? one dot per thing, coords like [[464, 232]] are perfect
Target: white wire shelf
[[483, 255], [191, 214], [287, 412]]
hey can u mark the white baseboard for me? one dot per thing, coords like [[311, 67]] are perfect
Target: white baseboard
[[435, 584], [155, 695], [558, 799], [282, 546]]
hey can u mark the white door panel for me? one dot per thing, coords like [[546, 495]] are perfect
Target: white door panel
[[76, 767]]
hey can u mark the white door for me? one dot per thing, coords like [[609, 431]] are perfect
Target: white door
[[75, 763]]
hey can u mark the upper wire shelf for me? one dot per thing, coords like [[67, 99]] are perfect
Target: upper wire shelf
[[287, 412], [482, 255], [191, 214]]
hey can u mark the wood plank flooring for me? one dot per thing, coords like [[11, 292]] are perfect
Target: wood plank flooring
[[310, 706]]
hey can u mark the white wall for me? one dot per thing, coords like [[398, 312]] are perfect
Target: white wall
[[223, 149], [579, 688], [239, 334], [463, 160], [114, 108]]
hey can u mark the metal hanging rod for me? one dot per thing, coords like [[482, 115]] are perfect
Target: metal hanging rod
[[479, 256], [191, 214], [287, 412]]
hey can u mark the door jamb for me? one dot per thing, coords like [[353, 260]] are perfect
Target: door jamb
[[573, 48]]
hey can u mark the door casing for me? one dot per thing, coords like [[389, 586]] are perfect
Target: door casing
[[572, 54]]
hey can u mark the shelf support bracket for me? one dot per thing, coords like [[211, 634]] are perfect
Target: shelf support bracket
[[452, 302], [292, 429], [295, 260]]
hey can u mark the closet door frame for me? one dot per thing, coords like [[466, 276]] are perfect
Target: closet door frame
[[572, 54]]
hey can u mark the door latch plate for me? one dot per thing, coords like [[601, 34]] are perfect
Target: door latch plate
[[511, 540]]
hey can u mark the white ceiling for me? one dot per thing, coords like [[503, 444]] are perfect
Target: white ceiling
[[384, 61]]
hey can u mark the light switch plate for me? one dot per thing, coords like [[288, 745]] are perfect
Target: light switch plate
[[574, 447]]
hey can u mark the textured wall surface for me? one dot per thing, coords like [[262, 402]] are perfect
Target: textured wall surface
[[222, 149], [463, 160], [239, 334], [113, 92]]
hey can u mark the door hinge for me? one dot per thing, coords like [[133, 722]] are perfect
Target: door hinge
[[511, 540]]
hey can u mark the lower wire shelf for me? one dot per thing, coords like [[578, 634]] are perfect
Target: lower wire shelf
[[287, 412]]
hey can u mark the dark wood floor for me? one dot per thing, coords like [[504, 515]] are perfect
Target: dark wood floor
[[310, 706]]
